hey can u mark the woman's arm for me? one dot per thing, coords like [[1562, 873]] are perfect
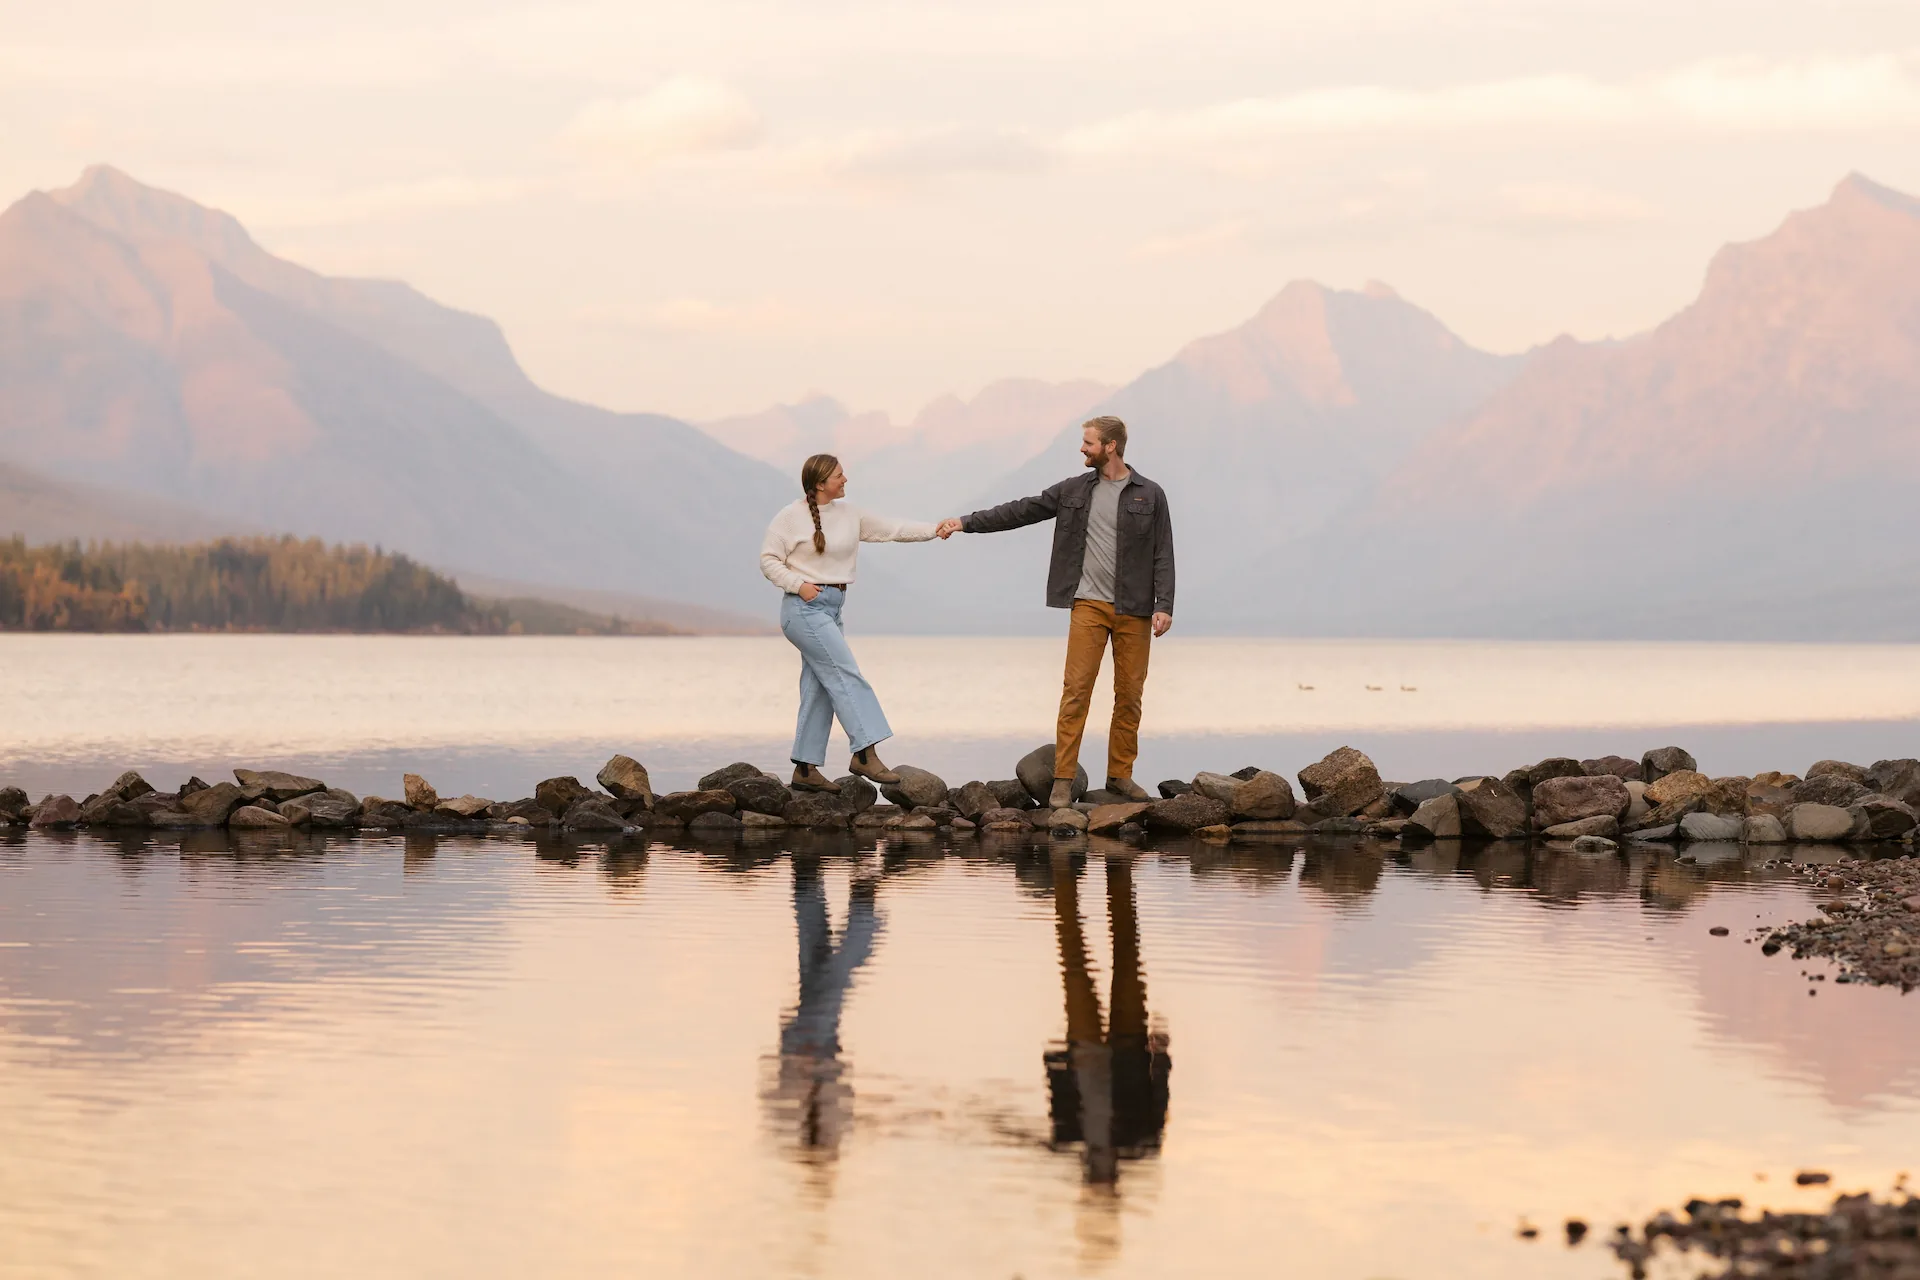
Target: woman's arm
[[774, 550], [886, 529]]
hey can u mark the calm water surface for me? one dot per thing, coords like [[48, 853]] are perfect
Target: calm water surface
[[418, 1057]]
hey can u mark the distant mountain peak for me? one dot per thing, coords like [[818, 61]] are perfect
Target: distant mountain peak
[[1858, 185], [116, 202]]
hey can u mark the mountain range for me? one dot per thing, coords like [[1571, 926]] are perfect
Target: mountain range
[[1341, 463]]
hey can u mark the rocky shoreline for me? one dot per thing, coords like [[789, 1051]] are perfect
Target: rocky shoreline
[[1589, 806], [1858, 1236]]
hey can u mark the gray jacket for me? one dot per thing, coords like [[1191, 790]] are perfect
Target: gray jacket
[[1143, 554]]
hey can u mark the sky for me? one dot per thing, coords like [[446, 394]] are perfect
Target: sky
[[706, 209]]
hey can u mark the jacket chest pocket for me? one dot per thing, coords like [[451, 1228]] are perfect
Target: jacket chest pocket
[[1073, 510], [1137, 511]]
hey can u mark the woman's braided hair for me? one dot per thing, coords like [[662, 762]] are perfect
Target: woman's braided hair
[[814, 472]]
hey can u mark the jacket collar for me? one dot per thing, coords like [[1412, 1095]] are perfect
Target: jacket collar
[[1090, 478]]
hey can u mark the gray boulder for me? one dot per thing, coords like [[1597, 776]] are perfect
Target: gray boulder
[[974, 799], [1886, 818], [760, 794], [917, 788], [719, 778], [1764, 828], [555, 795], [1594, 844], [832, 811], [1346, 780], [1712, 826], [1216, 786], [1568, 798], [1661, 761], [1437, 818], [626, 779], [1488, 807], [1409, 796], [685, 806], [1184, 813], [1011, 793], [1810, 821], [275, 785], [1835, 789], [1602, 825], [323, 810], [1173, 787], [1035, 772], [1664, 833], [715, 824], [1896, 779], [593, 813]]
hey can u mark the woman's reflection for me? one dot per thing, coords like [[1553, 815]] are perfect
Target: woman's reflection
[[1108, 1087], [808, 1094]]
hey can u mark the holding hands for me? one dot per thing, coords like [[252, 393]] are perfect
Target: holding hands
[[947, 528]]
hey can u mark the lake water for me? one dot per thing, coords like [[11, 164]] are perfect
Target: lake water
[[805, 1056]]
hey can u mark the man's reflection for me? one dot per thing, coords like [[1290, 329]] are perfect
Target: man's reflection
[[808, 1093], [1108, 1087]]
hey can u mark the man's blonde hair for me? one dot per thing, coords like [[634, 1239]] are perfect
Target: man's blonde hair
[[1112, 431]]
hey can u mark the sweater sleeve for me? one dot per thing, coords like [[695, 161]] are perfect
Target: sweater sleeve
[[774, 550], [886, 529]]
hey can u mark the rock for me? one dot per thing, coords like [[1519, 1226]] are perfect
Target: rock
[[961, 826], [1109, 818], [1099, 796], [1385, 828], [1409, 796], [419, 792], [715, 823], [760, 794], [13, 804], [1258, 827], [529, 810], [1004, 819], [463, 808], [275, 785], [1246, 773], [1764, 828], [685, 806], [1346, 778], [945, 817], [1818, 821], [1567, 798], [56, 813], [1887, 818], [922, 822], [1655, 835], [626, 779], [1832, 789], [1594, 844], [1619, 766], [191, 785], [128, 786], [1184, 813], [1712, 826], [1437, 818], [1896, 779], [1726, 796], [1069, 819], [1173, 787], [1489, 808], [1265, 796], [211, 806], [1661, 761], [917, 788], [593, 813], [974, 799], [1341, 826], [830, 811], [879, 816], [1639, 807], [557, 795], [253, 817], [1838, 769], [1601, 825], [1678, 784], [719, 778], [1555, 767], [1011, 793], [1667, 815], [753, 820], [1216, 786], [122, 813], [1218, 832], [385, 814], [1035, 772]]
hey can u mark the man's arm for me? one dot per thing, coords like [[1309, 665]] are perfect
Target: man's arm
[[1014, 515]]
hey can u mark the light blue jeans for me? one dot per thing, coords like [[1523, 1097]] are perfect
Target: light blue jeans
[[830, 680]]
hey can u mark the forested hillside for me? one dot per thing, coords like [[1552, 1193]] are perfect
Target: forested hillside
[[256, 584]]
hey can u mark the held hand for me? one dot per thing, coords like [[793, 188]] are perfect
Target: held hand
[[947, 528], [808, 591], [1162, 622]]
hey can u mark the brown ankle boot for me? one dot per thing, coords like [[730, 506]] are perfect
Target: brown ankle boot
[[1062, 795], [1126, 787], [808, 778], [867, 764]]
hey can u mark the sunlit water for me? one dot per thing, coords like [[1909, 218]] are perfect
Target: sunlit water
[[408, 1057]]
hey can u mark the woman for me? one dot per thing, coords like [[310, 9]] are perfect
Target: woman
[[809, 553]]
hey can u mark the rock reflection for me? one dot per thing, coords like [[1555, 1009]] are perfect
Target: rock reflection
[[1107, 1086], [808, 1096]]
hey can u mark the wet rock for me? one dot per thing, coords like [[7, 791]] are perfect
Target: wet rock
[[878, 816], [1765, 828], [13, 804], [1275, 827], [719, 778], [1216, 786], [1655, 835], [256, 818], [1602, 825], [1005, 821], [917, 788], [1838, 769], [1035, 772], [385, 814], [1217, 833], [1835, 789], [594, 813], [1661, 761], [56, 813], [128, 786], [1568, 798], [1712, 826], [1518, 781], [1184, 813], [1895, 779], [419, 792], [1818, 822], [753, 820], [626, 779], [974, 799], [275, 785], [1594, 844], [211, 806], [1011, 793], [1109, 818], [685, 806], [963, 826], [1266, 796], [760, 794], [1886, 818], [1438, 818], [468, 806], [1554, 767], [832, 811], [530, 810], [1409, 796], [1489, 808], [1173, 787], [714, 823], [557, 795], [1346, 779], [923, 823], [326, 811], [1385, 828], [1068, 820], [1619, 766]]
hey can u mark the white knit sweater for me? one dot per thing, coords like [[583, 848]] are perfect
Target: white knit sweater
[[787, 556]]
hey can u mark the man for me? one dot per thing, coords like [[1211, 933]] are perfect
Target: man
[[1113, 567]]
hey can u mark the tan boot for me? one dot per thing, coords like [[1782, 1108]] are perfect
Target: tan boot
[[1126, 787], [807, 778], [867, 764], [1062, 795]]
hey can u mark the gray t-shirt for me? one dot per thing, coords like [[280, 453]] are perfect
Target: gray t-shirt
[[1103, 521]]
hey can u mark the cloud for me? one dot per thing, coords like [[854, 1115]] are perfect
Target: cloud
[[1555, 204], [896, 155], [683, 116], [1226, 234]]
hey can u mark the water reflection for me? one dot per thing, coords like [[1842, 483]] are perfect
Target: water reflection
[[1107, 1086]]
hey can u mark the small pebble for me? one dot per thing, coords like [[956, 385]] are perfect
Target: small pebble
[[1718, 931], [1811, 1178]]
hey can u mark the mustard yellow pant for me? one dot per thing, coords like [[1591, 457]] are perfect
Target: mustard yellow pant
[[1093, 624]]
